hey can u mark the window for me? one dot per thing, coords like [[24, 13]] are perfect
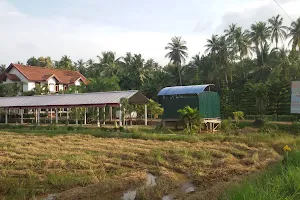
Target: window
[[65, 87], [57, 88]]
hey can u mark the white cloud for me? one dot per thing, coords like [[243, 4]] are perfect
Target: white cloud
[[24, 36]]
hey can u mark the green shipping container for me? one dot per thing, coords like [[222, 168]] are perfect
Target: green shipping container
[[203, 97]]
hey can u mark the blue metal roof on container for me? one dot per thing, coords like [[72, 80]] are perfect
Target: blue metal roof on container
[[180, 90]]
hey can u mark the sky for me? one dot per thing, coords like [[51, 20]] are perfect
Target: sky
[[82, 29]]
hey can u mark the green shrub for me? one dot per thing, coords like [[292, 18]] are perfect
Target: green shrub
[[268, 127], [295, 128], [228, 126], [278, 182]]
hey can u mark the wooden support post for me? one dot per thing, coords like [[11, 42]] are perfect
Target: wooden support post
[[146, 120], [85, 116], [120, 116], [21, 113], [56, 115], [98, 116], [6, 116], [104, 115]]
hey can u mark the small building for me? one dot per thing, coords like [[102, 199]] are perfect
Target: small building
[[203, 97], [30, 76]]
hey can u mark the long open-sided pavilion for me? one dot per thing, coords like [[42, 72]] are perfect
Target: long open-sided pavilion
[[66, 101]]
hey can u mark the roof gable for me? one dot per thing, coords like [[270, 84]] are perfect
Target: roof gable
[[11, 77], [33, 73]]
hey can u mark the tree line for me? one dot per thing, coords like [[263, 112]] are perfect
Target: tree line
[[252, 67]]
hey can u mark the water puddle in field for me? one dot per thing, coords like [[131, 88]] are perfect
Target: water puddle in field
[[131, 194], [50, 197], [186, 187], [167, 197], [151, 180]]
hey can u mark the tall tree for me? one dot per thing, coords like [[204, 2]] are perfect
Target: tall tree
[[45, 62], [32, 61], [230, 32], [241, 44], [212, 44], [178, 53], [66, 63], [277, 29], [259, 34], [80, 65], [110, 63], [294, 33]]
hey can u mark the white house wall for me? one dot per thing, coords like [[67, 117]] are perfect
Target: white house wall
[[61, 87], [51, 84], [30, 86], [77, 83]]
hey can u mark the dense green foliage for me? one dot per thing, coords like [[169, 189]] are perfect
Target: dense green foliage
[[253, 68]]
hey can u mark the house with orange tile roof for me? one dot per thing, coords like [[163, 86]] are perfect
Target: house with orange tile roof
[[55, 79]]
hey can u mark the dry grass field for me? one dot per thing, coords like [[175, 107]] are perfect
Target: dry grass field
[[78, 166]]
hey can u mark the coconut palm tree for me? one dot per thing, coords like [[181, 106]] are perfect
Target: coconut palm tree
[[229, 33], [294, 33], [178, 53], [218, 47], [109, 63], [277, 29], [80, 65], [212, 44], [222, 56], [241, 43], [66, 63], [259, 35]]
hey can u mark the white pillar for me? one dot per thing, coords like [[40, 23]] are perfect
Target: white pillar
[[38, 116], [98, 115], [85, 116], [76, 119], [120, 115], [104, 115], [146, 122], [56, 117], [21, 113], [51, 115], [67, 115], [76, 116], [110, 113], [6, 116], [124, 117]]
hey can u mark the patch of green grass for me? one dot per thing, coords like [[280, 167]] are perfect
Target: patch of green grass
[[64, 181], [278, 182], [19, 187]]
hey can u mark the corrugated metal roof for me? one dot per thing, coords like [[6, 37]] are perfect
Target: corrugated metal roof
[[96, 98], [178, 90]]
